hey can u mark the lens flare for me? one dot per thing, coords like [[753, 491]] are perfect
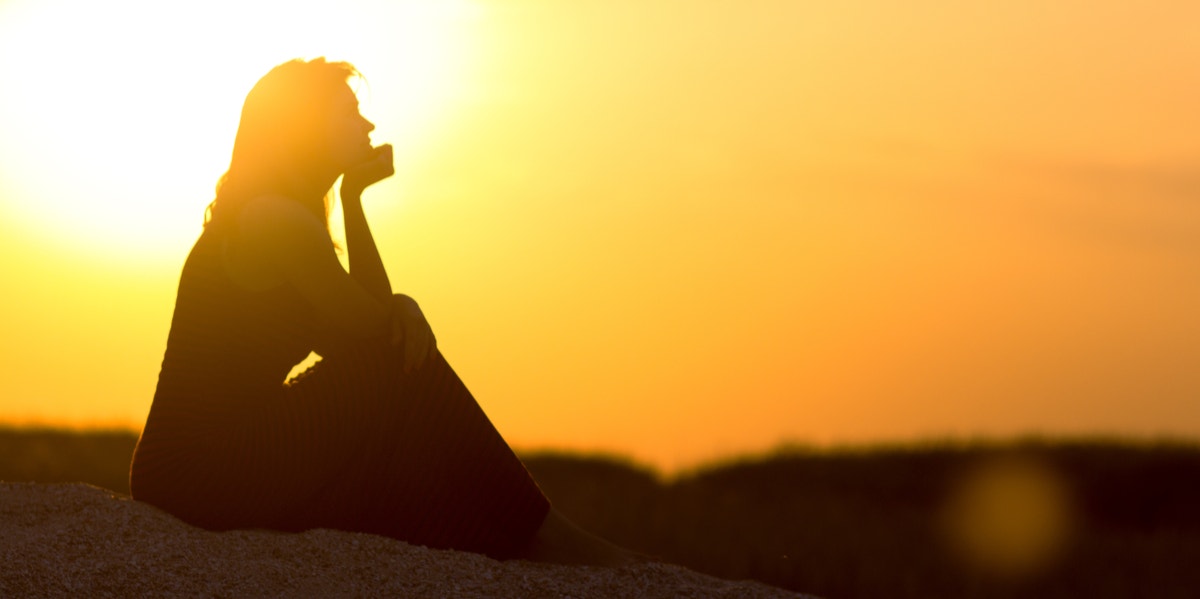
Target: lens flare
[[1009, 517]]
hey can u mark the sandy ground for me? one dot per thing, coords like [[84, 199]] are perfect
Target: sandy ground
[[76, 540]]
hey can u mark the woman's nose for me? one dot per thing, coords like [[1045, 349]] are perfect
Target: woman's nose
[[368, 125]]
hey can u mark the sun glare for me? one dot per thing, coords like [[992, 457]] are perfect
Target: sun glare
[[118, 117]]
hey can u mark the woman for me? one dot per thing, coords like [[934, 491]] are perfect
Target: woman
[[380, 436]]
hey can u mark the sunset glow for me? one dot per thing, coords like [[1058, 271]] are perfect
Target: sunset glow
[[120, 118], [666, 229]]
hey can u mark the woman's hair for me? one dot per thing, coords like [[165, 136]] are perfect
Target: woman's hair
[[281, 137]]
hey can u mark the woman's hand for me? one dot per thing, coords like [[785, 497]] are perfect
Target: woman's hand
[[410, 328], [376, 168]]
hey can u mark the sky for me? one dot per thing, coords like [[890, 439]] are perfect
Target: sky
[[666, 229]]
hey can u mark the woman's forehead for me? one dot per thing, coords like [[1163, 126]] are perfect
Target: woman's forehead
[[344, 96]]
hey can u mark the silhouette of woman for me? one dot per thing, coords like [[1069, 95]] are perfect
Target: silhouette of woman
[[380, 436]]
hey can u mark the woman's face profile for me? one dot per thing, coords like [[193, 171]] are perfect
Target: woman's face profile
[[349, 132]]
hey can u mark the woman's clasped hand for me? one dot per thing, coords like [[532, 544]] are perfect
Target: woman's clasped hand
[[376, 167]]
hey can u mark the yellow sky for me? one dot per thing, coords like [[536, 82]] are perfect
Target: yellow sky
[[673, 230]]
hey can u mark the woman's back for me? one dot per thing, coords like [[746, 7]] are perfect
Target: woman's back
[[226, 340], [227, 353]]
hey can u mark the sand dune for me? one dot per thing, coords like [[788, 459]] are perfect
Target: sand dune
[[81, 540]]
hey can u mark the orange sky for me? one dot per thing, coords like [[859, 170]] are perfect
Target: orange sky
[[673, 230]]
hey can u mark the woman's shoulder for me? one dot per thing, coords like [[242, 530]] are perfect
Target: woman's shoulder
[[271, 224], [272, 236], [277, 212]]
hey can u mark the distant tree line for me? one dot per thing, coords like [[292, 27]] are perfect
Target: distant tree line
[[866, 522]]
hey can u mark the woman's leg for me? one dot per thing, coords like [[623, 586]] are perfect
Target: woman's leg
[[431, 468], [426, 465]]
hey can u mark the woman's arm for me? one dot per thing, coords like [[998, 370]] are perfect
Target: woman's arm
[[409, 327], [366, 266], [290, 243]]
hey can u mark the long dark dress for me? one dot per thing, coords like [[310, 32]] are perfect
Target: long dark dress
[[351, 444]]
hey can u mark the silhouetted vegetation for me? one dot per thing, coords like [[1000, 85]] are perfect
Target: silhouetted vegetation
[[868, 522], [50, 455]]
